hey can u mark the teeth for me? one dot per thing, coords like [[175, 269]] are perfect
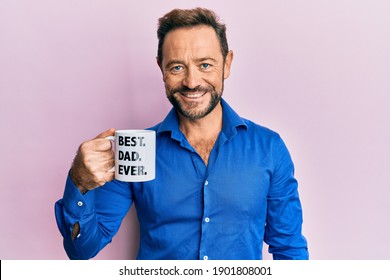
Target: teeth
[[193, 95]]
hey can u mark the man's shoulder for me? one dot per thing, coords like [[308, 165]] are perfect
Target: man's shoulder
[[257, 135], [155, 127], [234, 120], [260, 130], [161, 129]]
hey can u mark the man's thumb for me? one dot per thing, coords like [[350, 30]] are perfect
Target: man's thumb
[[110, 132]]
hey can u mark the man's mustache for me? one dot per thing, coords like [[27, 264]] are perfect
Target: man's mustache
[[190, 90]]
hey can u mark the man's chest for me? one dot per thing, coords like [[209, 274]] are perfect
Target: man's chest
[[184, 188], [203, 147]]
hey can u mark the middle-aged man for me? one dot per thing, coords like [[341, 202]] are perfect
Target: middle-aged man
[[223, 183]]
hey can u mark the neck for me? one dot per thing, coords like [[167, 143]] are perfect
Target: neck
[[205, 128]]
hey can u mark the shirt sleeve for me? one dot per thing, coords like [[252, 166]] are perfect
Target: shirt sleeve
[[99, 213], [283, 232]]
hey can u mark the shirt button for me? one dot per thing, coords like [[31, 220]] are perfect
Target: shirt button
[[205, 258], [207, 220], [80, 203], [206, 183]]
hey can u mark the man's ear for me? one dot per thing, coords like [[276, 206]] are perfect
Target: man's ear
[[228, 64], [159, 64]]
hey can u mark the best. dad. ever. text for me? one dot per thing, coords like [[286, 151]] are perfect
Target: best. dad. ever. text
[[131, 156]]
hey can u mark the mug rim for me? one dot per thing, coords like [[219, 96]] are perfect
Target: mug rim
[[132, 131]]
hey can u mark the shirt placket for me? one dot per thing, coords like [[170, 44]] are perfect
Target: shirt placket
[[206, 223], [207, 219], [201, 170]]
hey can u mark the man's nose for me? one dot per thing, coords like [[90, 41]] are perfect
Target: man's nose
[[192, 78]]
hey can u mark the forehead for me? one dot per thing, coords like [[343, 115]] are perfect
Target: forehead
[[199, 41]]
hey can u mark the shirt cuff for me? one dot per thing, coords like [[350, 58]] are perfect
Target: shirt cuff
[[75, 203]]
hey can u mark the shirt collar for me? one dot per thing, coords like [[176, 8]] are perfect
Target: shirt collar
[[231, 121]]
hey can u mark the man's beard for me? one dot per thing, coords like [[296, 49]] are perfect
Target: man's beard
[[193, 114]]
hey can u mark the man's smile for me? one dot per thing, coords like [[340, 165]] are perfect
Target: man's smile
[[193, 95]]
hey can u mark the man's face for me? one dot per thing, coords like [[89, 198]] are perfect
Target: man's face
[[194, 70]]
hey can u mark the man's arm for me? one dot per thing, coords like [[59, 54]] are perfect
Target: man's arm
[[283, 231], [82, 212]]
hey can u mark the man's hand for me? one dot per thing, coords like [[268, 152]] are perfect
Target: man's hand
[[92, 166]]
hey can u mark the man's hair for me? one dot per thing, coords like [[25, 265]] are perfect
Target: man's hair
[[179, 18]]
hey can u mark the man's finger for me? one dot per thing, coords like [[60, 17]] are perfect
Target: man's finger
[[95, 145], [104, 177], [97, 157]]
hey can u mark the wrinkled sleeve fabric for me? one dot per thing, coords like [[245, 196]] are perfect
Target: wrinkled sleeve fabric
[[283, 232], [99, 213]]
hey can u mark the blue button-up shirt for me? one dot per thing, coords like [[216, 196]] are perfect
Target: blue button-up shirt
[[246, 194]]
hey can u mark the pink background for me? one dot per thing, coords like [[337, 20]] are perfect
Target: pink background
[[318, 72]]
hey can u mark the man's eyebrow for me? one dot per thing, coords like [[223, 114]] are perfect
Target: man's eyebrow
[[172, 62], [206, 59]]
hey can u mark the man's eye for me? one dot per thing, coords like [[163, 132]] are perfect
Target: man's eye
[[177, 68], [205, 65]]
